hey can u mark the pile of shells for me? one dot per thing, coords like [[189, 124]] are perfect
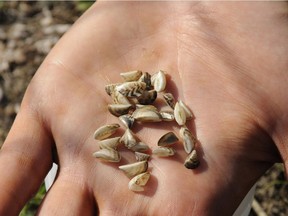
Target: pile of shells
[[133, 102]]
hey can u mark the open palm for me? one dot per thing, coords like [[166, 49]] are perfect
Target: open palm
[[214, 59]]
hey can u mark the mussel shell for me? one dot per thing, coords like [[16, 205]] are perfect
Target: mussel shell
[[127, 120], [159, 81], [131, 89], [192, 161], [179, 114], [189, 140], [163, 151], [136, 183], [105, 131], [109, 143], [168, 139], [135, 168], [119, 109], [147, 97], [169, 99], [128, 139], [146, 78], [145, 115], [142, 156], [108, 155], [131, 75], [140, 147]]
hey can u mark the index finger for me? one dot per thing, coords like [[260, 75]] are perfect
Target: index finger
[[25, 159]]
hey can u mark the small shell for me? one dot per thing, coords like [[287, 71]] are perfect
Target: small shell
[[145, 115], [188, 139], [119, 109], [146, 78], [147, 97], [163, 151], [105, 131], [192, 161], [118, 98], [131, 75], [140, 147], [136, 184], [108, 155], [110, 88], [179, 114], [167, 116], [168, 139], [146, 107], [127, 120], [135, 168], [159, 81], [131, 89], [169, 99], [141, 156], [188, 113], [128, 139], [109, 143]]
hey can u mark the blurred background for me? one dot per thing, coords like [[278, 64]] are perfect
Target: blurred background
[[28, 31]]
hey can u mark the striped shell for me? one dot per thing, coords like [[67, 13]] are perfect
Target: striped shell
[[131, 89]]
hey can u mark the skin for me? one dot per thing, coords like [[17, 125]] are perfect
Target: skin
[[227, 61]]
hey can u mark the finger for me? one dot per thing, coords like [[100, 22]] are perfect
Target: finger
[[68, 196], [25, 158]]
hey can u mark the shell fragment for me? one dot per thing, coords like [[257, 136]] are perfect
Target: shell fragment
[[167, 116]]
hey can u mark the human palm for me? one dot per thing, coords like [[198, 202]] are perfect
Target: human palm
[[212, 66]]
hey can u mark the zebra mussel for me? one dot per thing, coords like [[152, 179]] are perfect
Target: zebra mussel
[[133, 102]]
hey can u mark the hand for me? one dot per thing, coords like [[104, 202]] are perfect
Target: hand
[[227, 62]]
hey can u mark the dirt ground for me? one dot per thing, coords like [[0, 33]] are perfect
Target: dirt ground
[[28, 30]]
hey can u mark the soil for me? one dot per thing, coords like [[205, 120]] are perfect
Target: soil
[[28, 30]]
